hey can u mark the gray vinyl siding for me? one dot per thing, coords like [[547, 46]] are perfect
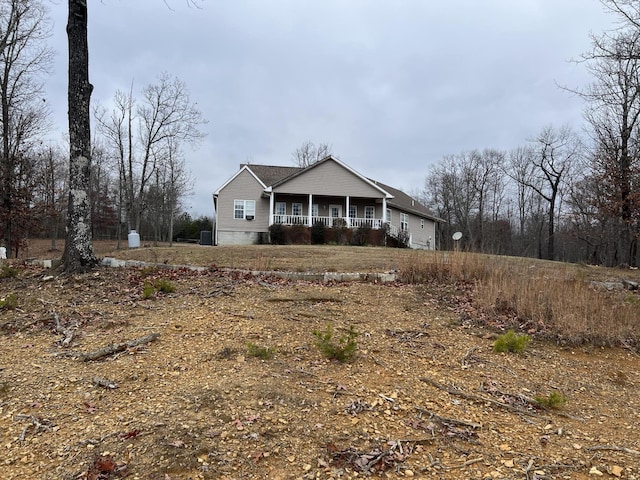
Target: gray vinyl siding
[[419, 236], [330, 179], [243, 187]]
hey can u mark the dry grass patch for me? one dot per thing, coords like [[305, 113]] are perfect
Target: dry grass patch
[[551, 298]]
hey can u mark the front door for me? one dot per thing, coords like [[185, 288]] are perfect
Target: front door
[[335, 211]]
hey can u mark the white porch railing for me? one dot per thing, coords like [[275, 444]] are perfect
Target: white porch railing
[[291, 219], [373, 223]]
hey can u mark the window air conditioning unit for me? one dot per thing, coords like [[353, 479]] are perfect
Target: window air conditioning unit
[[249, 217]]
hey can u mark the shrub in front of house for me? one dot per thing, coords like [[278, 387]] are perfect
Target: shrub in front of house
[[298, 235], [277, 234], [339, 232], [318, 233], [377, 237], [361, 236], [403, 239]]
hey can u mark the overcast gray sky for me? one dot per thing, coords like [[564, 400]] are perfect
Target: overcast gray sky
[[392, 85]]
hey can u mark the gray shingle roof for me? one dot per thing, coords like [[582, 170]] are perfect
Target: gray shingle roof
[[270, 174], [405, 202]]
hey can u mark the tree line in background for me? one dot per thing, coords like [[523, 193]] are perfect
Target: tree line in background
[[559, 196]]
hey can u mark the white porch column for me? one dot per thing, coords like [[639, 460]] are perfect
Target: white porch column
[[347, 214], [310, 211], [384, 210], [271, 200]]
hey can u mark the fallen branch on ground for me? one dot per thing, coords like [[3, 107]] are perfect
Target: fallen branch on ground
[[477, 398], [523, 399], [613, 447], [38, 424], [450, 421], [470, 357], [67, 333], [105, 383], [466, 464], [118, 347]]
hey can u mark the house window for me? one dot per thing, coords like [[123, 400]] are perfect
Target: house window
[[388, 215], [353, 211], [296, 209], [244, 209], [281, 208], [314, 210], [404, 222], [369, 212]]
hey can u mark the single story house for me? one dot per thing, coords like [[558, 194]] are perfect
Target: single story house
[[258, 196]]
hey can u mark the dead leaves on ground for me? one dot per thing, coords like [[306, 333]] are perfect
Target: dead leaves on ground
[[104, 467], [374, 460]]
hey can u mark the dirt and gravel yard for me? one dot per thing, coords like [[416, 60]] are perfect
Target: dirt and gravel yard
[[424, 396]]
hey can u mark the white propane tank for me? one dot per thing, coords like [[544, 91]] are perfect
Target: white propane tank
[[134, 239]]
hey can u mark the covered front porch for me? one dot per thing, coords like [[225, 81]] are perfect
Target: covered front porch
[[330, 211], [349, 222]]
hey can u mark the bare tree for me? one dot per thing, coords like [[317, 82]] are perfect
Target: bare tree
[[178, 181], [50, 190], [24, 58], [78, 250], [141, 137], [171, 183], [452, 185], [104, 215], [557, 152], [308, 153], [613, 111]]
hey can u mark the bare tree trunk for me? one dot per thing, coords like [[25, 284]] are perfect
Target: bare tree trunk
[[78, 251], [171, 227]]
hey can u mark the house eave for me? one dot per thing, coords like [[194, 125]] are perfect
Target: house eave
[[243, 169]]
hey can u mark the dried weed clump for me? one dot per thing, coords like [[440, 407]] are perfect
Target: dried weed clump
[[552, 298], [560, 304], [449, 267]]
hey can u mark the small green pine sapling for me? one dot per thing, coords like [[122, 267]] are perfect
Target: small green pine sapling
[[7, 271], [553, 400], [9, 302], [264, 353], [165, 286], [511, 342], [148, 291], [343, 350]]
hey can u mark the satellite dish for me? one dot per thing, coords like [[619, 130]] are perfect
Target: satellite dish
[[457, 236]]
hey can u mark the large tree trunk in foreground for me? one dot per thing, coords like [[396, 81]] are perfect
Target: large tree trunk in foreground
[[78, 251]]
